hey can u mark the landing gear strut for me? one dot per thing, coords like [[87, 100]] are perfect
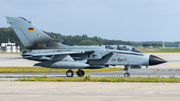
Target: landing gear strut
[[69, 73], [126, 67], [80, 73]]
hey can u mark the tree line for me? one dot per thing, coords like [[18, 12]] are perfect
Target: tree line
[[85, 40], [67, 39], [152, 44], [79, 40]]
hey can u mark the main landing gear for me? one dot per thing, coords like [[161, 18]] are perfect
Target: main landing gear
[[126, 67], [70, 73], [80, 73]]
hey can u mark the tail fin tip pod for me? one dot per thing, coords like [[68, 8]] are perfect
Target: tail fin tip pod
[[29, 35]]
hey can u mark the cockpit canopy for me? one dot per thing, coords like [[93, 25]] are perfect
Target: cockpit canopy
[[123, 47]]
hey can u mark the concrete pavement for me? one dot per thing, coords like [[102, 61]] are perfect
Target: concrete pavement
[[88, 91]]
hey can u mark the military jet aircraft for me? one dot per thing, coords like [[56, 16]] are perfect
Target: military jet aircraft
[[53, 54]]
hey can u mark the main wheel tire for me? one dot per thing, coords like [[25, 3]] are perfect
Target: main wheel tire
[[80, 73], [126, 75], [69, 73]]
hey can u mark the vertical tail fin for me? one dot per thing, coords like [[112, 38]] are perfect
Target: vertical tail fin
[[29, 35]]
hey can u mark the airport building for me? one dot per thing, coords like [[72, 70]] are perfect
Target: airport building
[[9, 47]]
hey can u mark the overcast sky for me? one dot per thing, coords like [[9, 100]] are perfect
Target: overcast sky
[[127, 20]]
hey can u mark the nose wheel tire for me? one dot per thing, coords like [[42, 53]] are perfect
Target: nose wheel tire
[[126, 75], [80, 73], [69, 73]]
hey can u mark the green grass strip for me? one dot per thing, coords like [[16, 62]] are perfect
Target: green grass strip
[[88, 78], [48, 70]]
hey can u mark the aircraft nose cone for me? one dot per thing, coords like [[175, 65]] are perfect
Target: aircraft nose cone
[[154, 60]]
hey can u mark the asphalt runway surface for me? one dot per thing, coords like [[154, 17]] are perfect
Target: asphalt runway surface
[[133, 73]]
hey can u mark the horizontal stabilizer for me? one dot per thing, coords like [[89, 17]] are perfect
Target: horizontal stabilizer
[[26, 57]]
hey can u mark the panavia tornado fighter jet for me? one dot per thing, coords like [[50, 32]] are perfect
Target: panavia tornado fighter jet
[[52, 53]]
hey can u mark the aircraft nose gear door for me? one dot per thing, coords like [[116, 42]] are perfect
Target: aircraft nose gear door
[[69, 73], [126, 67]]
